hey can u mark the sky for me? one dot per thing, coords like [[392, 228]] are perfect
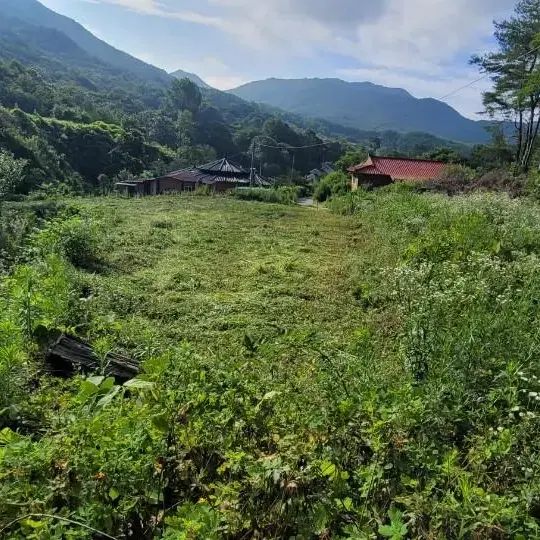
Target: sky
[[420, 45]]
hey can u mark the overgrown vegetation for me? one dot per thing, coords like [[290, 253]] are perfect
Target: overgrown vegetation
[[336, 183], [368, 370], [304, 374], [279, 194]]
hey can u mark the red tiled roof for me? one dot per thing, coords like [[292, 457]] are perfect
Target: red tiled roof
[[400, 168]]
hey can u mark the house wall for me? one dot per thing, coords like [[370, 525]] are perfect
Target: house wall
[[370, 180], [165, 185]]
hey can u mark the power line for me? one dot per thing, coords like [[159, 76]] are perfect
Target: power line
[[486, 75], [293, 147], [472, 83]]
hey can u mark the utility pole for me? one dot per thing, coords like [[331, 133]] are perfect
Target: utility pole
[[252, 168], [292, 168]]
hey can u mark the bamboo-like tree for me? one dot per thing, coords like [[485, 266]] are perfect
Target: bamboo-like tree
[[515, 71]]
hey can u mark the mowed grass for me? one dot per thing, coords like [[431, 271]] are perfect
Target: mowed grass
[[221, 273]]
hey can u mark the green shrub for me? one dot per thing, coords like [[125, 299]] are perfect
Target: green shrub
[[203, 191], [17, 222], [278, 195], [12, 173], [75, 238], [453, 180], [32, 296], [334, 184]]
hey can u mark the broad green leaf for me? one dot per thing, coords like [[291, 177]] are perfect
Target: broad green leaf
[[113, 494], [328, 468], [139, 384], [88, 389], [107, 384], [34, 524], [160, 421], [106, 400], [270, 395], [97, 380], [386, 530], [7, 436]]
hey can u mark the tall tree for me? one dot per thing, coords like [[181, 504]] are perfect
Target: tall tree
[[184, 95], [515, 72]]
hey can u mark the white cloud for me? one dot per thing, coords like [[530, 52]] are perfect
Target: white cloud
[[420, 44], [224, 82]]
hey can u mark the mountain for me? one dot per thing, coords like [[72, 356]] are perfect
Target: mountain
[[180, 74], [69, 102], [35, 14], [365, 106]]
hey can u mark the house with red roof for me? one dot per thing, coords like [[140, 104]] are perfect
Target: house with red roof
[[380, 171]]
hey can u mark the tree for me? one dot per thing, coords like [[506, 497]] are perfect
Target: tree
[[350, 159], [515, 72], [447, 155], [184, 95], [498, 154], [336, 183], [185, 128], [12, 173], [105, 184]]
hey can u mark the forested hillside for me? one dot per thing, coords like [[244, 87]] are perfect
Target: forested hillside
[[181, 74], [33, 14], [68, 98], [72, 131], [363, 105]]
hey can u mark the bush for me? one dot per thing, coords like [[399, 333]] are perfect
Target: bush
[[351, 203], [278, 195], [203, 191], [75, 238], [12, 173], [39, 295], [334, 184], [504, 181], [457, 179], [453, 180]]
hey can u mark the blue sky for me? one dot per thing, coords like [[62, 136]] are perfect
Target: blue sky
[[420, 45]]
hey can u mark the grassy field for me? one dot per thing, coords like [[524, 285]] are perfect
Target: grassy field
[[214, 272], [364, 371]]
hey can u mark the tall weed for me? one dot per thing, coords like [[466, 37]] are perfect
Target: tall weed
[[278, 195]]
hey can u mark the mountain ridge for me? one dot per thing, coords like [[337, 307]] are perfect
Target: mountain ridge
[[364, 106], [181, 74], [35, 13]]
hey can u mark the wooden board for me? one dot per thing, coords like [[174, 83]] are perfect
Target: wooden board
[[69, 355]]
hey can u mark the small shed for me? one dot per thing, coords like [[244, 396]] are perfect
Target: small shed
[[220, 175], [379, 171]]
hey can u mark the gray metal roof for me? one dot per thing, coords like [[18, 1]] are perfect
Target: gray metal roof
[[220, 171], [223, 166]]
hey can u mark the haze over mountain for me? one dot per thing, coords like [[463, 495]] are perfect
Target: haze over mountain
[[180, 74], [365, 106]]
